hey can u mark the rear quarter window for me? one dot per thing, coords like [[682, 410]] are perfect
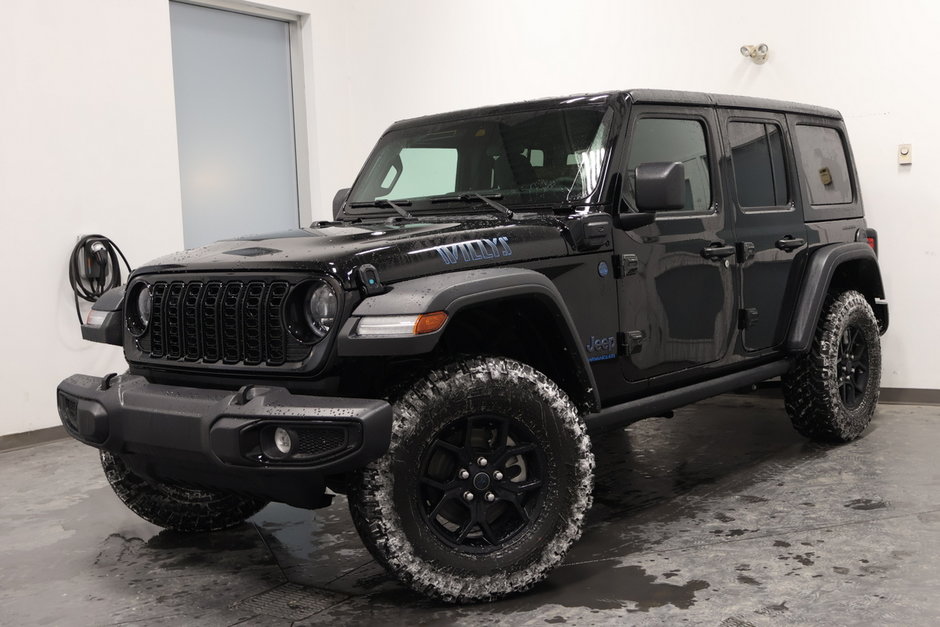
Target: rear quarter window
[[824, 165]]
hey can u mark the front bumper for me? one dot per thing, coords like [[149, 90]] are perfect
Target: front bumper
[[222, 439]]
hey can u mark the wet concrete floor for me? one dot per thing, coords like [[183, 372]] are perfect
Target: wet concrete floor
[[722, 515]]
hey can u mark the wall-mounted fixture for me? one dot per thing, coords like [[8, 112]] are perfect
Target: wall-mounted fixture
[[905, 156], [757, 54]]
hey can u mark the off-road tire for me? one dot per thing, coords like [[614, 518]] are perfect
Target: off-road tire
[[174, 507], [385, 497], [811, 390]]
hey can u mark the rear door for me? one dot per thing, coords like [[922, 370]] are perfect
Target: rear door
[[768, 222]]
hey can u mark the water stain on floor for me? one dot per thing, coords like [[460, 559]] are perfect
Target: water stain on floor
[[866, 504], [597, 587]]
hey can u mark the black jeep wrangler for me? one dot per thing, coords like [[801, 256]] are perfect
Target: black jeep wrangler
[[496, 284]]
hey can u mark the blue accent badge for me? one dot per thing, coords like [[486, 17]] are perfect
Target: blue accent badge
[[603, 269]]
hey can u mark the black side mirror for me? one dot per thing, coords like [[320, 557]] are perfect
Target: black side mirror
[[630, 221], [660, 186], [625, 218], [338, 201]]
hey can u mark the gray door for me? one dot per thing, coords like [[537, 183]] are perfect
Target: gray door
[[235, 123]]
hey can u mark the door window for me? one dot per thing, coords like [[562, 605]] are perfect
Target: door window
[[670, 139], [822, 153], [760, 177]]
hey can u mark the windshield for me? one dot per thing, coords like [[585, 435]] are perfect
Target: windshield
[[546, 157]]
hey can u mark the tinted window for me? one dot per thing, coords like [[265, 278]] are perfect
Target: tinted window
[[659, 139], [822, 154], [531, 157], [424, 171], [760, 176]]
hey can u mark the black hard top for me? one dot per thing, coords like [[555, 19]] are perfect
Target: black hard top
[[665, 96], [636, 96]]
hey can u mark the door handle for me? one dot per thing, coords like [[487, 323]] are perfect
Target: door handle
[[789, 244], [717, 251]]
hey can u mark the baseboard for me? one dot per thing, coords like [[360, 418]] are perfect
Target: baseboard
[[909, 396], [31, 438], [891, 396]]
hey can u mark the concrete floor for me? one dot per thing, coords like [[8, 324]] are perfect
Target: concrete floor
[[722, 516]]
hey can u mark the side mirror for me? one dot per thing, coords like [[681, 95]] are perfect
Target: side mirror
[[630, 221], [625, 217], [339, 200], [660, 186]]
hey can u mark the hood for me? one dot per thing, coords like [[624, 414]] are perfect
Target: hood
[[398, 249]]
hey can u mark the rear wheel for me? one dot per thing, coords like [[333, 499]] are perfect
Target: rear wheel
[[176, 507], [485, 485], [832, 391]]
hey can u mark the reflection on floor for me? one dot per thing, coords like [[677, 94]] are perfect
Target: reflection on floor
[[722, 515]]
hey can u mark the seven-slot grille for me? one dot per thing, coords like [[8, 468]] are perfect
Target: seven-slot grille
[[230, 321]]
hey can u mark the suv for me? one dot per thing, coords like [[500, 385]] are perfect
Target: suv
[[496, 284]]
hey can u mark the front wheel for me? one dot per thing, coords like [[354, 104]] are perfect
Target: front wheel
[[485, 485], [177, 507], [831, 392]]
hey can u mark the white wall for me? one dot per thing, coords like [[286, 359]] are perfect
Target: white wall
[[87, 145], [88, 139], [874, 61]]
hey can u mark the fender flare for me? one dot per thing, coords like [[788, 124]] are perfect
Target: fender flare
[[820, 269], [453, 292]]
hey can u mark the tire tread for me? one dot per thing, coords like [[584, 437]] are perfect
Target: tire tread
[[177, 508], [809, 396]]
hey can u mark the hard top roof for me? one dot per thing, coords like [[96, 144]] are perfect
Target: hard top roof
[[665, 96], [636, 96]]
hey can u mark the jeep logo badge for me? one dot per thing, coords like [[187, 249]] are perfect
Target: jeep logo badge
[[605, 346]]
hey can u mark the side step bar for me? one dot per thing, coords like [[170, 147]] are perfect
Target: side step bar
[[631, 411]]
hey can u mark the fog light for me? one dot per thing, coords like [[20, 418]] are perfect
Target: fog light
[[282, 440]]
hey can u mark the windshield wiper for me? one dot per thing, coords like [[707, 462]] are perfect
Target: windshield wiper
[[386, 204], [489, 199]]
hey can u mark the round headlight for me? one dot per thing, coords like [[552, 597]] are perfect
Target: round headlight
[[321, 308], [144, 305], [139, 307], [312, 310]]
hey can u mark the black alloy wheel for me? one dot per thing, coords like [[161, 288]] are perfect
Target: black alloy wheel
[[485, 484], [831, 391], [481, 482], [853, 366]]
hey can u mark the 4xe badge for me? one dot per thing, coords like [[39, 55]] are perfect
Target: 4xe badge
[[599, 348]]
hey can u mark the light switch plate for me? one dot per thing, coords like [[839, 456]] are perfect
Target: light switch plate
[[904, 154]]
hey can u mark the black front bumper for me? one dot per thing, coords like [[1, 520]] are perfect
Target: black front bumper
[[223, 439]]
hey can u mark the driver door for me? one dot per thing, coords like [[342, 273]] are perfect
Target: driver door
[[675, 292]]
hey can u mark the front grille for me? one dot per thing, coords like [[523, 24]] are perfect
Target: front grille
[[221, 321]]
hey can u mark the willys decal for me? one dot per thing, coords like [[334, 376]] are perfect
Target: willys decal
[[472, 250]]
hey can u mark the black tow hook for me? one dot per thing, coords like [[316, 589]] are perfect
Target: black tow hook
[[245, 394], [106, 382]]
